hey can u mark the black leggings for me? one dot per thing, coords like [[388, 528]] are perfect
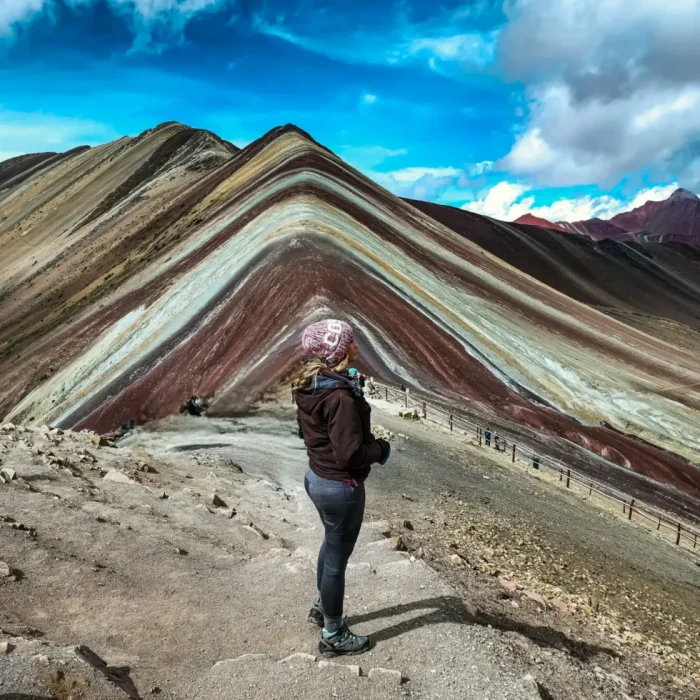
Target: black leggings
[[341, 508]]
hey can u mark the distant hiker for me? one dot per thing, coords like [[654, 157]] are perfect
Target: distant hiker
[[195, 406], [126, 428], [357, 378], [334, 421], [403, 387], [371, 387], [487, 438]]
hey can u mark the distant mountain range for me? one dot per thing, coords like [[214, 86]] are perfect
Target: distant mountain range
[[674, 220]]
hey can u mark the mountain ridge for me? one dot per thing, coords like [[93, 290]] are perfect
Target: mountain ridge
[[675, 219], [182, 286]]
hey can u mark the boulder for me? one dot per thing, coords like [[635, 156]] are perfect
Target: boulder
[[8, 474], [217, 501], [398, 545], [118, 477]]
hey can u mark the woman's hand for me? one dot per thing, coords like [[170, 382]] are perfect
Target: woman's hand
[[386, 451]]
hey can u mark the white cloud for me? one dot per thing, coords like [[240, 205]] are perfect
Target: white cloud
[[481, 168], [506, 201], [22, 132], [414, 174], [369, 99], [502, 201], [173, 12], [367, 157], [12, 11], [472, 49], [614, 87], [569, 143], [445, 40], [417, 182]]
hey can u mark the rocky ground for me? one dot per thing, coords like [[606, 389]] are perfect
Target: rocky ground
[[525, 550], [180, 564]]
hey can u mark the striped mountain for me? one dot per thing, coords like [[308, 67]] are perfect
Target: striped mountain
[[148, 269]]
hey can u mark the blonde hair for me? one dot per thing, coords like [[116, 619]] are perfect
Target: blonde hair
[[312, 368]]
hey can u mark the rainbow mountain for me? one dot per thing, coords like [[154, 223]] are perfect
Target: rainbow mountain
[[143, 271]]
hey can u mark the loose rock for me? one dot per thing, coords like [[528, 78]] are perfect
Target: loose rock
[[536, 597], [509, 587], [252, 527], [118, 477], [218, 502], [399, 545]]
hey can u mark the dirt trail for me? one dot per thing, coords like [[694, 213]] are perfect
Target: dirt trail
[[123, 551]]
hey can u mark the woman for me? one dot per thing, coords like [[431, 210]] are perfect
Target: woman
[[334, 421]]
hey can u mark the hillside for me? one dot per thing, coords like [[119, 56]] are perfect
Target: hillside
[[148, 269]]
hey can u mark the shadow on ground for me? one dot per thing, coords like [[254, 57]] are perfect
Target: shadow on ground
[[454, 609]]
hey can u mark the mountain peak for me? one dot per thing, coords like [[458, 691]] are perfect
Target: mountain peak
[[681, 193], [532, 220]]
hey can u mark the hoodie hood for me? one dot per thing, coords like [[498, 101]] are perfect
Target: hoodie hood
[[320, 386]]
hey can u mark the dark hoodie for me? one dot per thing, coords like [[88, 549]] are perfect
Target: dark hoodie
[[334, 420]]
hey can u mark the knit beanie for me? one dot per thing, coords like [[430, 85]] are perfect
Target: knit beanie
[[328, 340]]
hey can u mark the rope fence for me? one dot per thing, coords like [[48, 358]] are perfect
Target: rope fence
[[678, 532]]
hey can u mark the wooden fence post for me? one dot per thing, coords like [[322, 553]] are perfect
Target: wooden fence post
[[425, 410], [561, 473], [386, 393], [406, 399], [513, 453], [678, 536], [631, 508], [658, 527], [590, 489], [568, 477], [450, 421]]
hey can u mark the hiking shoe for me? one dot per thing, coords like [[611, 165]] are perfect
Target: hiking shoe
[[343, 642], [315, 616]]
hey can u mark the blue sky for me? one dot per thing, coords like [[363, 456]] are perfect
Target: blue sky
[[566, 110]]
